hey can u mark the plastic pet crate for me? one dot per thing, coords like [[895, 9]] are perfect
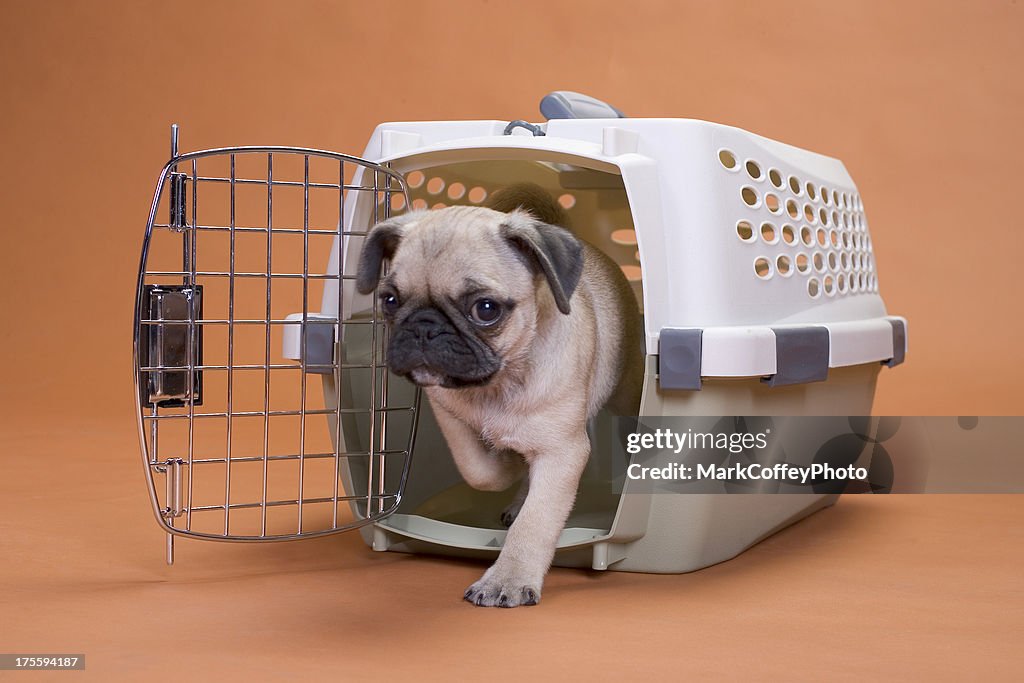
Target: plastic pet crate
[[751, 261]]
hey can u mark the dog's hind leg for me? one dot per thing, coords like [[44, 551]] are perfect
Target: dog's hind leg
[[509, 514]]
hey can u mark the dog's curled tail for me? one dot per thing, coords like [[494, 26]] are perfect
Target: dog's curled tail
[[529, 197]]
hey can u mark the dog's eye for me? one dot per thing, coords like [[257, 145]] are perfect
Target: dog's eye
[[485, 312], [389, 303]]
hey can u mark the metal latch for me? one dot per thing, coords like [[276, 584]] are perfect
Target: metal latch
[[519, 123], [166, 355]]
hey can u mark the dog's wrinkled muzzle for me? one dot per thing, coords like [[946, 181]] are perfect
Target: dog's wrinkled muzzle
[[430, 350]]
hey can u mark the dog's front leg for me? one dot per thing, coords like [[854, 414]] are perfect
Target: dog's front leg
[[482, 468], [516, 578]]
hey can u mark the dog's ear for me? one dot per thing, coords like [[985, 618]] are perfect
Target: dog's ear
[[381, 243], [553, 251]]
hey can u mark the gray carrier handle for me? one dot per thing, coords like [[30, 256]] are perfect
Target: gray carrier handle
[[566, 104]]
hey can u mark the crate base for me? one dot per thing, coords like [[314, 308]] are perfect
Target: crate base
[[727, 524], [637, 532]]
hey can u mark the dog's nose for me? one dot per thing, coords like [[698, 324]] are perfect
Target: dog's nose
[[427, 323]]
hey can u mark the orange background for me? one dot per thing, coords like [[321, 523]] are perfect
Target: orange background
[[923, 101]]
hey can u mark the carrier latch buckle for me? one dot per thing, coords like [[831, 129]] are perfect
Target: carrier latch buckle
[[171, 312]]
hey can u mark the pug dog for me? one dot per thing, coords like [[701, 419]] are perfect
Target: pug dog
[[519, 333]]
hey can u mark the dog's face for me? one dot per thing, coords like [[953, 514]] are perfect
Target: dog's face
[[465, 289]]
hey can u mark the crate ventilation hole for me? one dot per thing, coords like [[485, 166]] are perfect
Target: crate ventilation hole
[[818, 233]]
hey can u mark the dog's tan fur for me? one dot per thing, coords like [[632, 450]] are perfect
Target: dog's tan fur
[[557, 371]]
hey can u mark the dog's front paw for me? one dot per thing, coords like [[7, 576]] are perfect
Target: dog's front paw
[[496, 592]]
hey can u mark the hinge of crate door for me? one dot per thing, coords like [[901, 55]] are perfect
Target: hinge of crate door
[[176, 206], [176, 220], [172, 469]]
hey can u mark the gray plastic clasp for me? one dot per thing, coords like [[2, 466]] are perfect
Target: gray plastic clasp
[[319, 351], [801, 356], [899, 343], [679, 358]]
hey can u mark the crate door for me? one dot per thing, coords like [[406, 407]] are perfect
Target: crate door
[[261, 416]]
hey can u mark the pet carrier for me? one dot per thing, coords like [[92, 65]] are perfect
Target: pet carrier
[[266, 411]]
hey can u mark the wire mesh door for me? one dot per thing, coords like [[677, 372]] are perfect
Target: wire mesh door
[[265, 410]]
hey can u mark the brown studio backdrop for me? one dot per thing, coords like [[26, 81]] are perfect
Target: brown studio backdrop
[[922, 101]]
